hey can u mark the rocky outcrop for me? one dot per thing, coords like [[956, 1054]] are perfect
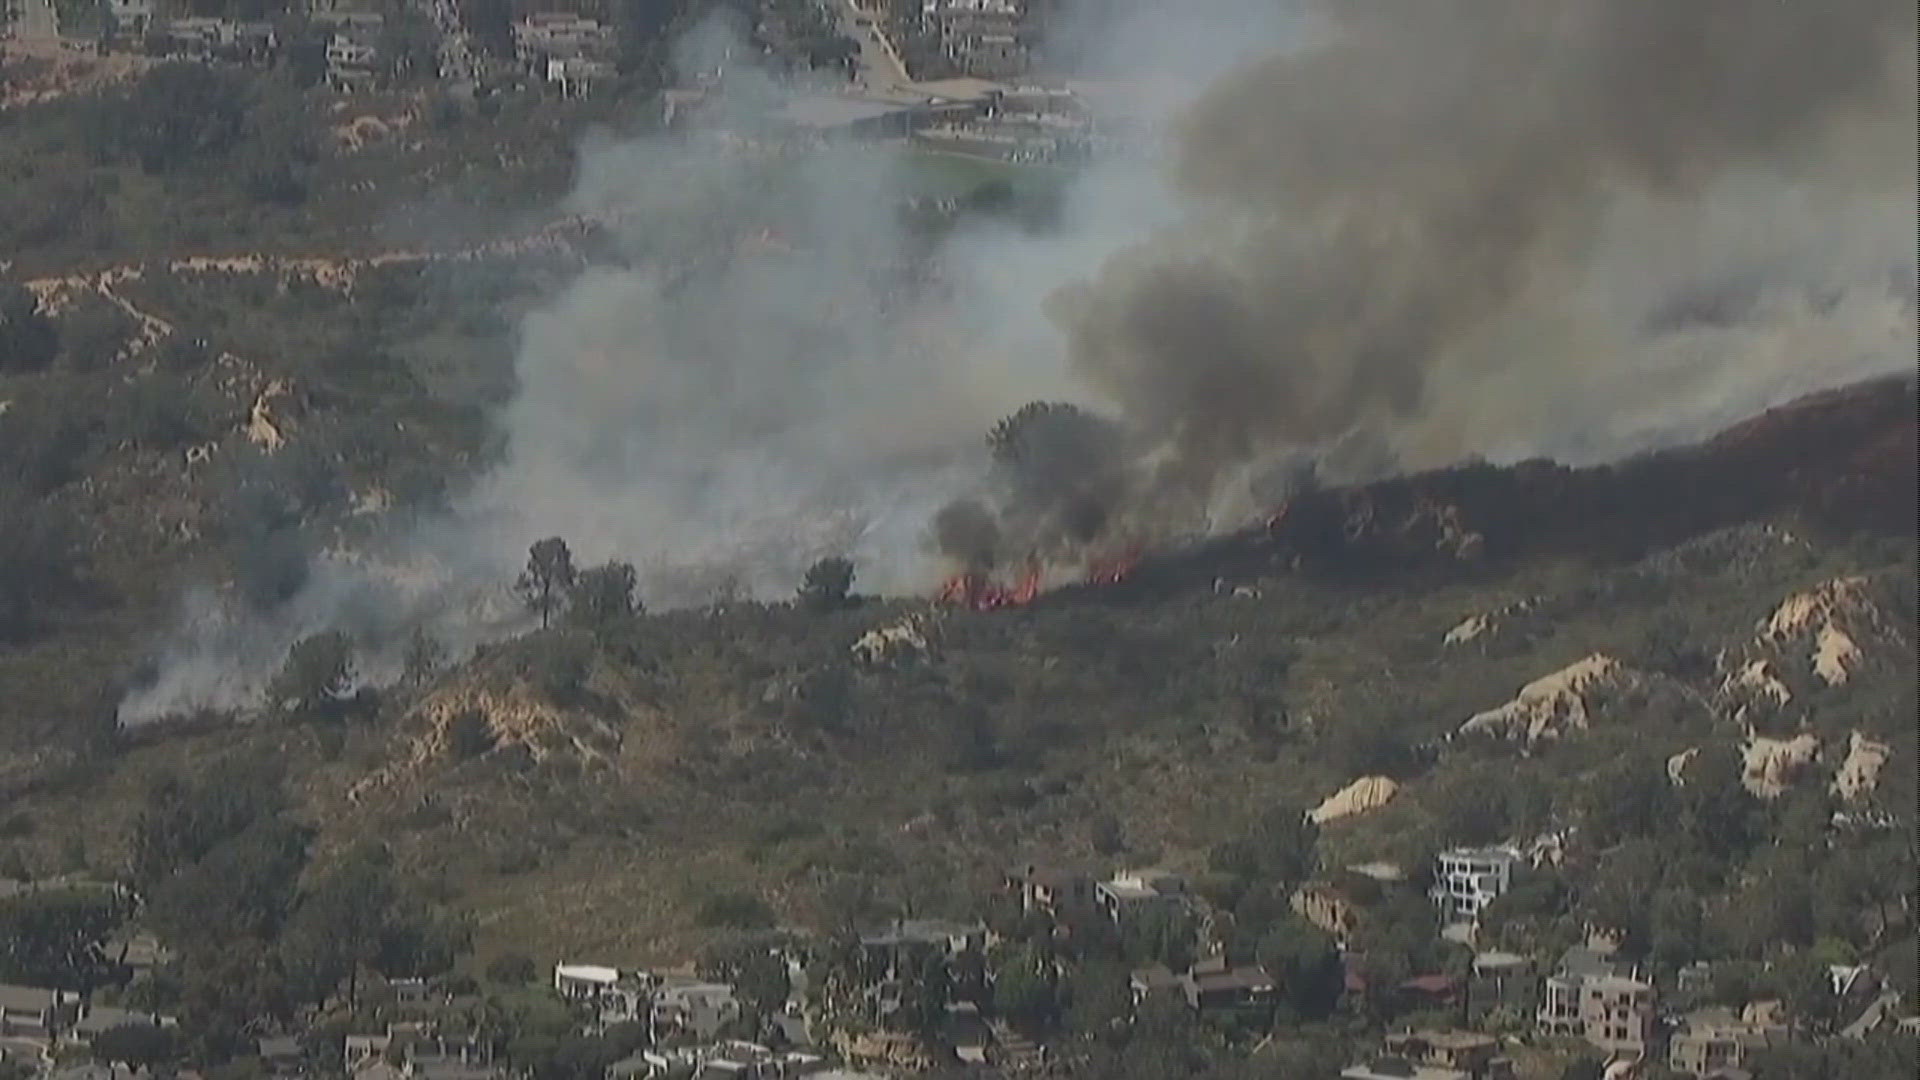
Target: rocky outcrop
[[1553, 705], [893, 645], [1757, 681], [1364, 794], [1484, 626], [1829, 622], [1770, 765], [1859, 774]]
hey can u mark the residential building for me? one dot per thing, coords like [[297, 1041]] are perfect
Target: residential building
[[981, 38], [352, 56], [1715, 1039], [690, 1007], [130, 18], [91, 1020], [608, 995], [1048, 889], [1466, 880], [1592, 997], [30, 1012], [1468, 1052], [905, 943], [1502, 980], [1208, 985], [1393, 1068], [1130, 893], [1214, 985], [1153, 979], [550, 35]]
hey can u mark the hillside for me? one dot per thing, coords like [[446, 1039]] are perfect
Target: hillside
[[746, 751]]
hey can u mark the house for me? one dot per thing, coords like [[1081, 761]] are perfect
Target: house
[[558, 35], [1213, 985], [130, 18], [1715, 1039], [1467, 1052], [692, 1007], [1128, 894], [1047, 888], [280, 1055], [1466, 880], [29, 1012], [1393, 1068], [94, 1019], [606, 994], [1590, 997], [967, 1033], [1153, 979], [352, 56], [905, 943], [361, 1051], [576, 76], [1502, 980]]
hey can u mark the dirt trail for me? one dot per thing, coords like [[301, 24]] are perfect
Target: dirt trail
[[337, 272]]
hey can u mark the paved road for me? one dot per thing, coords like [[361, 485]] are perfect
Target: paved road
[[878, 66], [37, 23]]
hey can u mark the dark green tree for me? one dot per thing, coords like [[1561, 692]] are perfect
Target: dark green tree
[[423, 659], [549, 576], [601, 598], [1305, 966], [827, 584], [57, 937], [317, 673], [28, 340], [137, 1045]]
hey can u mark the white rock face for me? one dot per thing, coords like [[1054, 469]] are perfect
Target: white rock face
[[1475, 627], [891, 645], [1756, 679], [1860, 772], [1829, 622], [1772, 764], [1364, 794], [1552, 705]]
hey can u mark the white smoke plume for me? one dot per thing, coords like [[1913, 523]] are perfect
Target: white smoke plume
[[1385, 236]]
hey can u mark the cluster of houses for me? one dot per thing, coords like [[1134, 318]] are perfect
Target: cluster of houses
[[980, 38], [571, 53], [1589, 995]]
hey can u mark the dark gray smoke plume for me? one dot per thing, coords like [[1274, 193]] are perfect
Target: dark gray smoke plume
[[1387, 227]]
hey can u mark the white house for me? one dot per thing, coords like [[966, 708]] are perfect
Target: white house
[[1466, 880], [613, 997], [694, 1007]]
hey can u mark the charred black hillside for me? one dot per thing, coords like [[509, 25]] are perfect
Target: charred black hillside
[[1839, 462]]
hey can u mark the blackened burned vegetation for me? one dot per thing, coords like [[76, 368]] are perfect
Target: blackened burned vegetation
[[1839, 462]]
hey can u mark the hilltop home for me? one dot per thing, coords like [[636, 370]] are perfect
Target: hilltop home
[[29, 1012], [1214, 985], [1048, 889], [901, 946], [610, 996], [1466, 880], [1128, 894], [690, 1007], [1393, 1068], [1468, 1052], [1714, 1039], [1593, 998]]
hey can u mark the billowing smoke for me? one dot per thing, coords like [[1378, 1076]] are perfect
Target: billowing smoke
[[1440, 231], [1391, 236]]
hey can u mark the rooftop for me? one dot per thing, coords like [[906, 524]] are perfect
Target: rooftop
[[587, 973]]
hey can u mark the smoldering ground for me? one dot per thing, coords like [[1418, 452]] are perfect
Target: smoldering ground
[[1385, 236]]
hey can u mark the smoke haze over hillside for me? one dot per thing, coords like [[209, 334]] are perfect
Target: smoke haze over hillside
[[1387, 236]]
